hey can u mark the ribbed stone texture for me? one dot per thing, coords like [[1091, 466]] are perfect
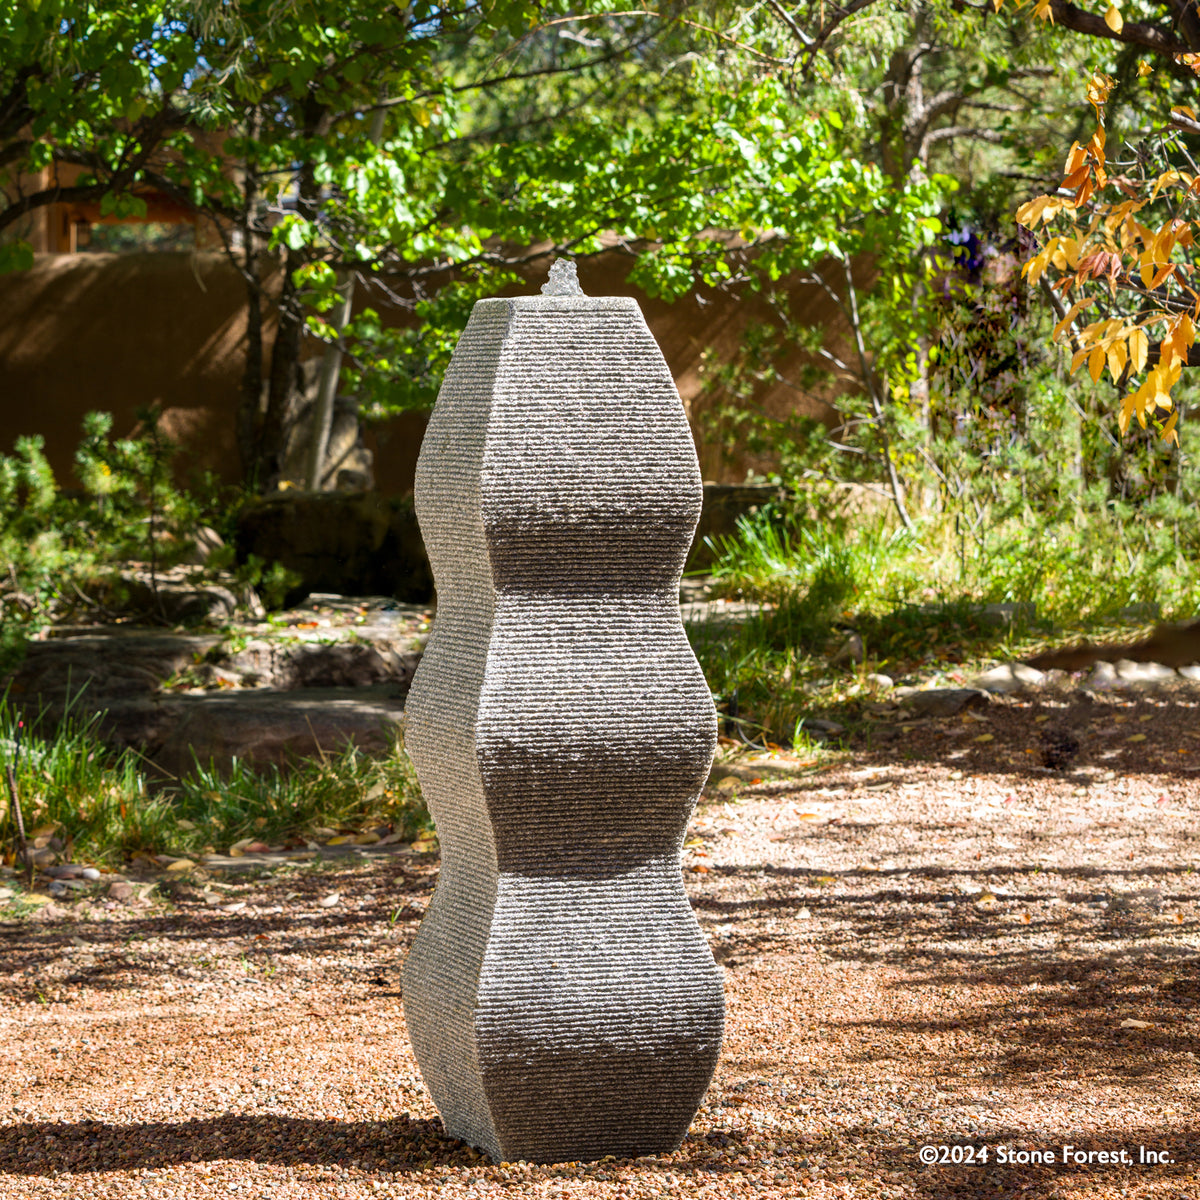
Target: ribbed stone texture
[[561, 1000]]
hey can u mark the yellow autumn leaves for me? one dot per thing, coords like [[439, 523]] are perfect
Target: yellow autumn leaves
[[1115, 345], [1044, 11], [1116, 250]]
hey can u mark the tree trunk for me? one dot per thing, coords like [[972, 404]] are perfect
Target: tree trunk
[[877, 394], [286, 385], [249, 421], [921, 392], [331, 365], [903, 123]]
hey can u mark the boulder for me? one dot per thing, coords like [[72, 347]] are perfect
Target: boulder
[[203, 544], [1169, 646], [822, 729], [1141, 613], [172, 731], [999, 615], [167, 595], [850, 653], [286, 666]]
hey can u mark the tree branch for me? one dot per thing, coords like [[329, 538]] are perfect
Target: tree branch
[[827, 31], [14, 151], [1183, 124], [1158, 38], [786, 18], [953, 131], [492, 81], [1186, 21], [55, 195], [944, 102], [873, 396]]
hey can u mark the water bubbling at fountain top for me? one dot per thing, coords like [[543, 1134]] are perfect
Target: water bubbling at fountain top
[[564, 279]]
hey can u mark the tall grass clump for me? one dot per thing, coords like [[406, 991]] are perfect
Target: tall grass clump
[[914, 601], [809, 585], [1084, 566], [344, 792], [91, 803], [74, 790], [781, 554]]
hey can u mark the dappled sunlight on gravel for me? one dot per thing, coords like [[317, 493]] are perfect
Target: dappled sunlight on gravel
[[917, 952]]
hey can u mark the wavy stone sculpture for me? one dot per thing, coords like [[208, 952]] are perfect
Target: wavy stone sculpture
[[560, 997]]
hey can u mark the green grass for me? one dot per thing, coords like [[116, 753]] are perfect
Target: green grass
[[915, 601], [103, 807], [347, 792], [775, 557]]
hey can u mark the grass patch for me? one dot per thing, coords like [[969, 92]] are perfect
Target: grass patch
[[916, 603], [89, 803], [346, 793]]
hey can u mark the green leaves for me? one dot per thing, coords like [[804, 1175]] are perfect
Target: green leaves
[[293, 231], [122, 204], [98, 96], [422, 149], [15, 256]]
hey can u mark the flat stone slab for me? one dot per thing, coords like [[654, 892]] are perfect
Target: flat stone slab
[[999, 615], [90, 669], [354, 642], [255, 726], [941, 702], [308, 682]]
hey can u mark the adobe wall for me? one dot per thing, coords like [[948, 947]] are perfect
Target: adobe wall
[[80, 332]]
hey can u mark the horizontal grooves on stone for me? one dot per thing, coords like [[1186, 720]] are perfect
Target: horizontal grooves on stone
[[561, 999]]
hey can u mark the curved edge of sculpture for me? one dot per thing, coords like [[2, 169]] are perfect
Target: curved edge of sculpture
[[561, 999]]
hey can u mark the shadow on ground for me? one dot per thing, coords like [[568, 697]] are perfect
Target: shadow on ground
[[1042, 1007], [396, 895], [404, 1145]]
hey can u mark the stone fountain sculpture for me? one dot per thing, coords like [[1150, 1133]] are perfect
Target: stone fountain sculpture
[[560, 997]]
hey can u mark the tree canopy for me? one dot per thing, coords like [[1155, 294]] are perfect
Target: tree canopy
[[426, 149], [423, 153]]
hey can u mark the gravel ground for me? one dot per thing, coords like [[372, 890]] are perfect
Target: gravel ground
[[934, 942]]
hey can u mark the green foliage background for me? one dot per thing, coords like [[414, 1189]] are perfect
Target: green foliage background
[[429, 153]]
